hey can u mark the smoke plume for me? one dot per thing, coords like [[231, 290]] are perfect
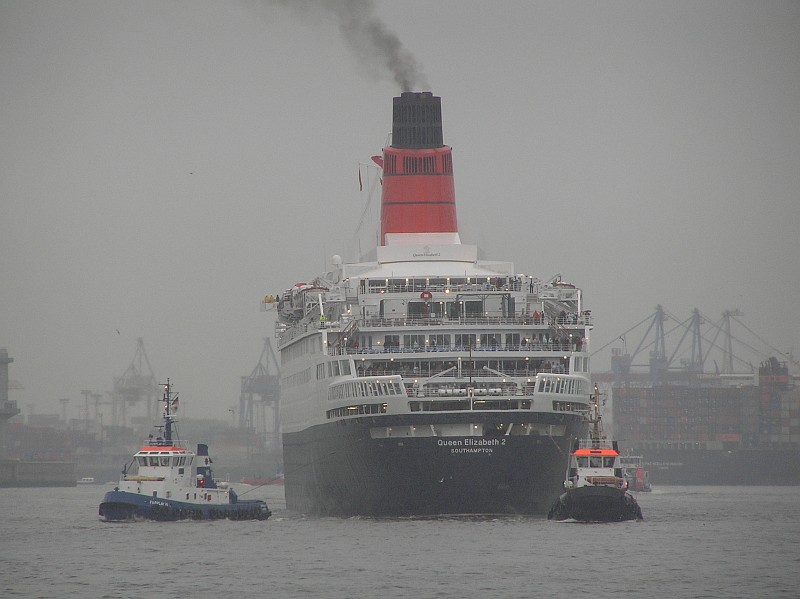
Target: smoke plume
[[368, 37]]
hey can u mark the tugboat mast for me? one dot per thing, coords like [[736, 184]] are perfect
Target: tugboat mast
[[596, 431], [169, 403]]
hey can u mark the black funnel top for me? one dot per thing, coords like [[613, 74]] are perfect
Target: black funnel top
[[417, 121]]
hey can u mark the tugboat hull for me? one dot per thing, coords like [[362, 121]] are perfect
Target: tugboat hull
[[119, 506], [595, 504]]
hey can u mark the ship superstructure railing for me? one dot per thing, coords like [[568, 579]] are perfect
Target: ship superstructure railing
[[596, 444], [567, 387], [559, 325], [475, 403], [532, 287], [159, 443], [477, 391], [421, 285], [438, 321], [554, 347], [407, 371]]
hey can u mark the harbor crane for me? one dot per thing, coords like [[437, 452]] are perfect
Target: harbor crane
[[137, 383], [259, 397], [714, 337]]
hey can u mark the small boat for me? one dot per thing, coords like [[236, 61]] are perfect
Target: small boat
[[595, 486], [166, 481], [86, 480], [635, 474]]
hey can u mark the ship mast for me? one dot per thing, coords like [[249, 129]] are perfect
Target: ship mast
[[170, 405], [596, 430]]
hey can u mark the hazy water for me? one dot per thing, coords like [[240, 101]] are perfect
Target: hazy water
[[694, 542]]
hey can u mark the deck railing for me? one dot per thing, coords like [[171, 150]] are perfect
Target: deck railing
[[476, 351]]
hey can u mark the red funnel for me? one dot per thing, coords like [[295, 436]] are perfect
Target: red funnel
[[418, 192]]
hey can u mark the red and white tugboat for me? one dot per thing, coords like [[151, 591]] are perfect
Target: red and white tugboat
[[167, 481], [595, 486], [635, 473]]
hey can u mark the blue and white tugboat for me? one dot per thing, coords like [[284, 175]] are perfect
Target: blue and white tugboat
[[166, 481], [595, 485]]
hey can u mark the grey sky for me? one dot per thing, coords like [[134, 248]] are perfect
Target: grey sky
[[165, 164]]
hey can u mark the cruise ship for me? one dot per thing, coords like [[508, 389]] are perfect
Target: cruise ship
[[425, 379]]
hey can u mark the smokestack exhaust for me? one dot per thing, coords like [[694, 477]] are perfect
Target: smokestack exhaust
[[418, 190]]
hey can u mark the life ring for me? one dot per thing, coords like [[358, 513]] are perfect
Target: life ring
[[426, 295]]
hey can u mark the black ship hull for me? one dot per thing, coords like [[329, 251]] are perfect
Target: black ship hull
[[701, 466], [338, 469], [596, 504]]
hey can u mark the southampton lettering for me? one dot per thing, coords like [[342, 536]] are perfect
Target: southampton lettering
[[470, 445]]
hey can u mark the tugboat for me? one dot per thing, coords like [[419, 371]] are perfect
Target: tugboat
[[637, 476], [166, 481], [595, 486]]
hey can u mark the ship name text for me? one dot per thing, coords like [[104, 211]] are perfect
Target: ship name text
[[459, 446]]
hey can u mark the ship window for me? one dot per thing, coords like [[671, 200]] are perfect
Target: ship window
[[473, 309], [595, 461], [165, 461], [490, 340], [413, 341], [440, 341], [608, 462], [583, 461], [465, 341], [153, 461], [453, 310], [345, 366], [391, 341], [141, 460]]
